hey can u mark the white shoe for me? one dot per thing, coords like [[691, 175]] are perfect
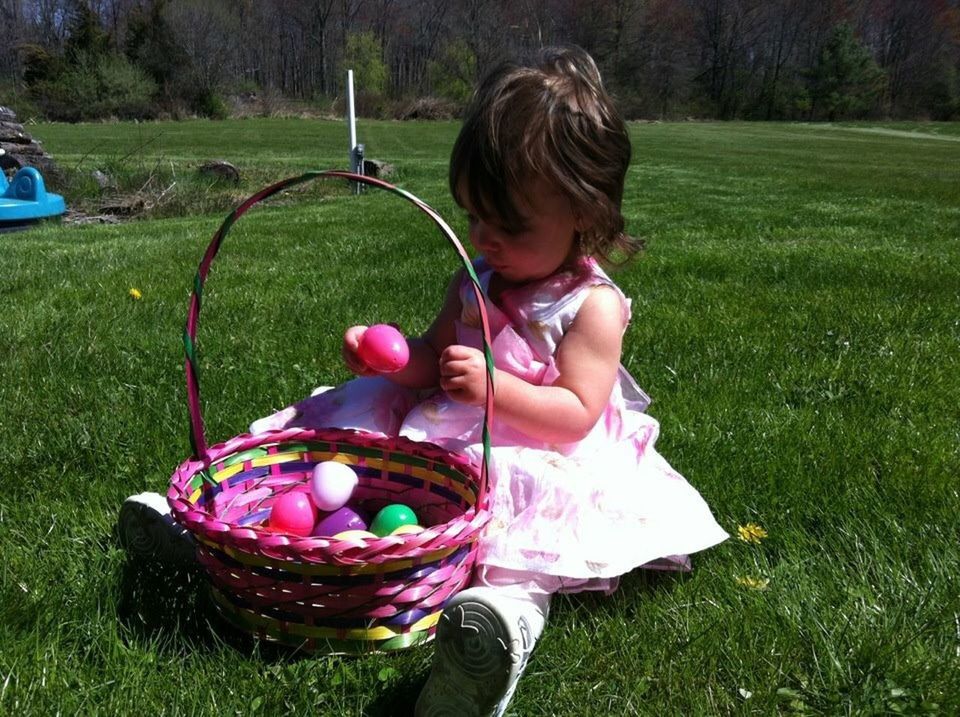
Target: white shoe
[[147, 531], [482, 646]]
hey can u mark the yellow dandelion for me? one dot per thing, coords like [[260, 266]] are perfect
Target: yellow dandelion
[[751, 533], [135, 294], [753, 583]]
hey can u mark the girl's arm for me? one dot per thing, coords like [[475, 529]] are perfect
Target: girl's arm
[[588, 359], [422, 369]]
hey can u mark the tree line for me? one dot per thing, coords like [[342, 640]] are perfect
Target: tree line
[[727, 59]]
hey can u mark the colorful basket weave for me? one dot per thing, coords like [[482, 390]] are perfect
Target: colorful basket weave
[[348, 596]]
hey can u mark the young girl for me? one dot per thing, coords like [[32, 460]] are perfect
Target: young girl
[[579, 495]]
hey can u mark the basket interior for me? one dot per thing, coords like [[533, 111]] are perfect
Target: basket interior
[[241, 489]]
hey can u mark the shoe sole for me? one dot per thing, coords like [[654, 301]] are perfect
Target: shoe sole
[[142, 533], [474, 665]]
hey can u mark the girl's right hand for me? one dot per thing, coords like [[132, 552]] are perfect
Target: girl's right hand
[[351, 341]]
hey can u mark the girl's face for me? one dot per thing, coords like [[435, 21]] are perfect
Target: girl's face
[[544, 244]]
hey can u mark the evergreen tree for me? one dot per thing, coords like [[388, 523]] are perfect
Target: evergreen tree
[[846, 81], [152, 46], [85, 36]]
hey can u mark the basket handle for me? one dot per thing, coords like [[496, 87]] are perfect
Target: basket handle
[[198, 439]]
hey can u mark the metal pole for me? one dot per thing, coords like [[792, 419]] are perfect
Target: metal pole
[[356, 151], [351, 118]]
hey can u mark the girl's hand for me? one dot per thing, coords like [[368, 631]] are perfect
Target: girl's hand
[[463, 374], [351, 340]]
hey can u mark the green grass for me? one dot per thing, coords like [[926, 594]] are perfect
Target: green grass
[[795, 319]]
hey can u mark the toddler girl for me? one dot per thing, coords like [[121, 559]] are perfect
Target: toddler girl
[[579, 495]]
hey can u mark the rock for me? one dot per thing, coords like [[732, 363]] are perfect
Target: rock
[[378, 168], [18, 149], [32, 148], [104, 181], [220, 169], [13, 132], [8, 163], [76, 217]]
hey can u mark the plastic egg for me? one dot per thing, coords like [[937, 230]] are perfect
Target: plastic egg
[[293, 513], [407, 529], [332, 484], [355, 535], [383, 349], [339, 521], [392, 517]]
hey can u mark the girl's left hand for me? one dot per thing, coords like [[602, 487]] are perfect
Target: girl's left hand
[[463, 374]]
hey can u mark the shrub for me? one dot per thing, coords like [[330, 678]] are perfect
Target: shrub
[[366, 104], [19, 100], [210, 104], [428, 108], [96, 87]]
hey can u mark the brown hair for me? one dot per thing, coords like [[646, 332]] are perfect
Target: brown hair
[[551, 120]]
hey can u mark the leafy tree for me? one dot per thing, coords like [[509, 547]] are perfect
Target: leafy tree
[[89, 80], [363, 55], [846, 81], [452, 74]]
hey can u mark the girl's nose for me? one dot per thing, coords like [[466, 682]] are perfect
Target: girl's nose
[[483, 235]]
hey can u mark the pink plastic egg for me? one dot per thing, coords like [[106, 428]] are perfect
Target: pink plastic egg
[[293, 513], [339, 521], [332, 484], [383, 349]]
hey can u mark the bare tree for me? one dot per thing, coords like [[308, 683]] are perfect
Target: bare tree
[[784, 22], [206, 31], [11, 20]]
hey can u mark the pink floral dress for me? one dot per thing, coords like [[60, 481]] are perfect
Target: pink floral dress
[[578, 514]]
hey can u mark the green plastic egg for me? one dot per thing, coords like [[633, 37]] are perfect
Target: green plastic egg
[[392, 517]]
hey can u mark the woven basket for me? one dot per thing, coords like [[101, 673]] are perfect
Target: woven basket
[[323, 594]]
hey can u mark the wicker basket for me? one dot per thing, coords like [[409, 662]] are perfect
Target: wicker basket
[[324, 594]]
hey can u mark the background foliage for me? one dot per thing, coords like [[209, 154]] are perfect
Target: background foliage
[[752, 59]]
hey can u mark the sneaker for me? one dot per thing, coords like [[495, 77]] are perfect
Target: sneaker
[[482, 646], [146, 530]]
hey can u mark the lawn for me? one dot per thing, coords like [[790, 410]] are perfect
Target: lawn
[[796, 319]]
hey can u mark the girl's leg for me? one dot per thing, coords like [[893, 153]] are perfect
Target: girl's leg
[[484, 640]]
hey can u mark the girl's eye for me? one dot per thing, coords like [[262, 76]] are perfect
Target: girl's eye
[[512, 232]]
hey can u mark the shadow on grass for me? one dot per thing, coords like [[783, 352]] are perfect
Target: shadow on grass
[[172, 610], [167, 606], [397, 700], [635, 588]]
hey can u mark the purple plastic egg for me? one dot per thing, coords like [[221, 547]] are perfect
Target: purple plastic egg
[[339, 521]]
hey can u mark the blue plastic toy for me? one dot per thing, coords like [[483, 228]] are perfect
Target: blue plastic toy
[[25, 199]]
